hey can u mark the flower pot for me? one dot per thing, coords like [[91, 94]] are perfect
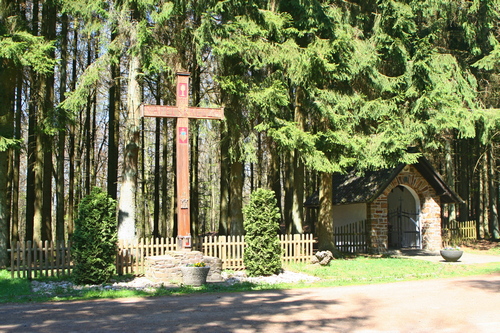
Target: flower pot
[[451, 255], [194, 276]]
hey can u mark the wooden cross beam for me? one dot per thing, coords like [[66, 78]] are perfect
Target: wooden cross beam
[[183, 113]]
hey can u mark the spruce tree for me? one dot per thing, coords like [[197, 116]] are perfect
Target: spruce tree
[[263, 251], [94, 240]]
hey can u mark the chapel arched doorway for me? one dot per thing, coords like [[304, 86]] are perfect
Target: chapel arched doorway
[[404, 218]]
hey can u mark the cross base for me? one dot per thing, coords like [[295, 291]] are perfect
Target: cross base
[[184, 243]]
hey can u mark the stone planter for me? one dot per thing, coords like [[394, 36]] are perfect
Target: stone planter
[[451, 255], [194, 276]]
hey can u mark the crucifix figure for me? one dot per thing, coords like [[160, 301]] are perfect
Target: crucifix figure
[[183, 113]]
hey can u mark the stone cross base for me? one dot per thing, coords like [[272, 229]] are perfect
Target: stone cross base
[[167, 268]]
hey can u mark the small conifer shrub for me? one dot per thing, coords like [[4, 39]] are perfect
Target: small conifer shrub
[[261, 222], [94, 241]]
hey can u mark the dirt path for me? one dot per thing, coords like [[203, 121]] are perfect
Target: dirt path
[[446, 305]]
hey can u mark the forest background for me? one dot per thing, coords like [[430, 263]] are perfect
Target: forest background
[[309, 87]]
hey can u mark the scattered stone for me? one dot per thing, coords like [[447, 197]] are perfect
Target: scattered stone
[[145, 284], [322, 257], [283, 277]]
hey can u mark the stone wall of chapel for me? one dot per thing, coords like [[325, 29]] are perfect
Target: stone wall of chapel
[[430, 211]]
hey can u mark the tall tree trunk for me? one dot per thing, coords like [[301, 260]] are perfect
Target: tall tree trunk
[[38, 167], [93, 129], [194, 180], [15, 236], [61, 148], [39, 230], [298, 171], [224, 182], [32, 145], [273, 177], [325, 216], [87, 128], [127, 202], [157, 171], [464, 180], [236, 198], [72, 144], [7, 95], [174, 226], [298, 195], [194, 192], [483, 199], [141, 218], [311, 215], [288, 183], [167, 216], [450, 176], [114, 125], [493, 194], [43, 186]]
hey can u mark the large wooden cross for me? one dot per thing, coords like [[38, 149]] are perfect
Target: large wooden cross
[[182, 112]]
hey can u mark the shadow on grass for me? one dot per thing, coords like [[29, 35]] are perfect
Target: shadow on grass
[[11, 290]]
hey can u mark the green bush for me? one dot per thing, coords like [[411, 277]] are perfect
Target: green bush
[[94, 240], [261, 222]]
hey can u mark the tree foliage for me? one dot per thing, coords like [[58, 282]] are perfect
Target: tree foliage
[[308, 87]]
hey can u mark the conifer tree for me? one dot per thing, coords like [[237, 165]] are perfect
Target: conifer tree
[[18, 49]]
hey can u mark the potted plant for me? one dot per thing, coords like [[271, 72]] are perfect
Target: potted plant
[[195, 274], [451, 254]]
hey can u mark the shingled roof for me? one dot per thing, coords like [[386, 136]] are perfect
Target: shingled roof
[[352, 188]]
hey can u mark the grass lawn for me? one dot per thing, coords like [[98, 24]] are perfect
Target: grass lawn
[[359, 270], [365, 270]]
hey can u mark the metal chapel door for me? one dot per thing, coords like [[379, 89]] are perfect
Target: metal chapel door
[[403, 220]]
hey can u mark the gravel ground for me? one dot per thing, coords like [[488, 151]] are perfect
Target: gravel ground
[[143, 283]]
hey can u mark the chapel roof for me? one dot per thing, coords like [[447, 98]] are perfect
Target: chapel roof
[[354, 187]]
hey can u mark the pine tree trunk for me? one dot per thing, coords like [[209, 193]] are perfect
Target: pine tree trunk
[[87, 130], [298, 171], [157, 171], [38, 168], [15, 236], [493, 194], [127, 202], [483, 199], [32, 128], [273, 176], [114, 126], [298, 196], [194, 183], [167, 220], [325, 217], [72, 146], [49, 15], [450, 176], [142, 219], [236, 199], [194, 179], [288, 183], [465, 178], [7, 88], [173, 225], [224, 183], [61, 147]]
